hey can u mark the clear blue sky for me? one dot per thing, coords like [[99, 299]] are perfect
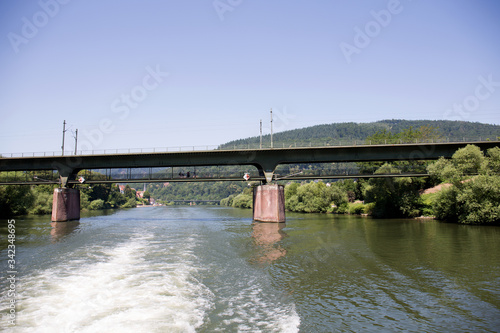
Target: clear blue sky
[[102, 66]]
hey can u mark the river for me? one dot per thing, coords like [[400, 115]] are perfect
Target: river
[[211, 269]]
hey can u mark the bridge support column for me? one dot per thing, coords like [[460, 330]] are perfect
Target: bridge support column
[[269, 203], [66, 205]]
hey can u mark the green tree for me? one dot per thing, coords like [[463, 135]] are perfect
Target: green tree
[[339, 199], [15, 200], [115, 198], [147, 196], [471, 199], [394, 197], [131, 203], [129, 192], [228, 201], [43, 197], [243, 200], [493, 162], [291, 190], [96, 204], [314, 197], [425, 133]]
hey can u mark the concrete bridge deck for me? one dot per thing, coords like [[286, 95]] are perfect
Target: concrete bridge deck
[[265, 160]]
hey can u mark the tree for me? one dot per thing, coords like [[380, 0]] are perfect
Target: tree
[[131, 203], [129, 192], [493, 162], [394, 197], [146, 195], [115, 198], [228, 201], [244, 199], [474, 197], [43, 196], [314, 197], [15, 200], [96, 204], [291, 190], [425, 133]]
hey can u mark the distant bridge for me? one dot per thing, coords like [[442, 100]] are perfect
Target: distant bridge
[[195, 201], [263, 161]]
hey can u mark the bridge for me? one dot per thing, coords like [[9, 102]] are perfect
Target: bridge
[[264, 161], [217, 202]]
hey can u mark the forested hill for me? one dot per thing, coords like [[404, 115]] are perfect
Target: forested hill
[[343, 133]]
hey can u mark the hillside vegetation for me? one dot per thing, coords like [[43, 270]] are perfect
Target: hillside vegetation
[[345, 133]]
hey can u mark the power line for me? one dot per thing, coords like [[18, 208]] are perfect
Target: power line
[[261, 134], [271, 127], [75, 135], [64, 131]]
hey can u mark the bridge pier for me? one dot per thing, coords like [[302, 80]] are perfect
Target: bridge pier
[[269, 203], [66, 204]]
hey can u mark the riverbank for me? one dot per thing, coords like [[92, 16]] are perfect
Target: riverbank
[[17, 200]]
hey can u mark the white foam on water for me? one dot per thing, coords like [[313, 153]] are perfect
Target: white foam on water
[[252, 310], [123, 290]]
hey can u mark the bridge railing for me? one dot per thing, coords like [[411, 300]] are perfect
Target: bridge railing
[[252, 146]]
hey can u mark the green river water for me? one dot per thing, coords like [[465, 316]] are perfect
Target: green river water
[[212, 269]]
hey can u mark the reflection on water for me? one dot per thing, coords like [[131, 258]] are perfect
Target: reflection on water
[[266, 235], [61, 229]]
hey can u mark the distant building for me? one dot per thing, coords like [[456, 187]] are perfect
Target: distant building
[[122, 188]]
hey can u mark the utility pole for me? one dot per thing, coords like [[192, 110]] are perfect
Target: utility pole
[[64, 131], [271, 127], [261, 134], [76, 140]]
